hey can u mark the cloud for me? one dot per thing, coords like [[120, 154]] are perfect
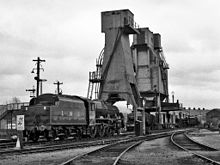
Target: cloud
[[197, 97], [177, 45], [67, 34], [208, 37], [200, 74]]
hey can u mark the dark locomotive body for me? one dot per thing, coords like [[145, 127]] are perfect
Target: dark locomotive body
[[60, 116]]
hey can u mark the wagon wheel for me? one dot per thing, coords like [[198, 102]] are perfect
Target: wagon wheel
[[101, 130], [78, 134], [92, 131]]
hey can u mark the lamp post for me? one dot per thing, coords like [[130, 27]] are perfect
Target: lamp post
[[157, 103], [59, 92], [189, 117], [37, 78], [41, 85], [172, 93]]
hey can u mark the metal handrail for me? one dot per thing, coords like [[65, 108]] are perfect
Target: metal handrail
[[12, 106]]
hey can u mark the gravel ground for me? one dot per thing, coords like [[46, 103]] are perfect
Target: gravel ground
[[51, 158], [207, 137], [156, 152], [160, 151]]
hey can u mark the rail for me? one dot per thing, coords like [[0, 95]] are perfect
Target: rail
[[187, 147], [117, 148]]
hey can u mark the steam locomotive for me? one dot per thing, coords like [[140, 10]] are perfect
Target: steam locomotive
[[53, 116]]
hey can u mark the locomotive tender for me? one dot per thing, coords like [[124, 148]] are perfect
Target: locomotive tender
[[51, 116]]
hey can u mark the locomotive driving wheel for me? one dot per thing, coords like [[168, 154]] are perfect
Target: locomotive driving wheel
[[46, 134], [34, 135], [112, 132], [101, 130], [92, 131], [53, 133], [107, 131]]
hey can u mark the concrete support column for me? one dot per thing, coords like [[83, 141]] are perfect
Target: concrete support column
[[174, 118], [144, 121], [161, 119], [168, 117], [159, 110]]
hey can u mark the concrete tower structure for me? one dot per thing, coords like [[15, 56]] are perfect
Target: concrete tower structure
[[137, 73], [150, 65], [151, 70], [117, 72]]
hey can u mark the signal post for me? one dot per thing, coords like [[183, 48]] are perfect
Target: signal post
[[20, 129]]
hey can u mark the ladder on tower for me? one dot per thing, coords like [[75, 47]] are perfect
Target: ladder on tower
[[163, 67], [95, 78]]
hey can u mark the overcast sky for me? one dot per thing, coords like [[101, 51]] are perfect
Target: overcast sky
[[67, 34]]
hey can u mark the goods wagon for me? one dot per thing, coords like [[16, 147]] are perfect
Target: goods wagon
[[150, 121]]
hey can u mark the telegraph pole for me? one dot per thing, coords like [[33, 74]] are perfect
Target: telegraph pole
[[37, 78], [41, 85], [58, 87]]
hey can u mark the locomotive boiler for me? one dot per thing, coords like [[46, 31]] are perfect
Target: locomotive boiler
[[60, 116]]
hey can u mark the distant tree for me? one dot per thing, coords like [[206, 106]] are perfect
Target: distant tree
[[15, 100]]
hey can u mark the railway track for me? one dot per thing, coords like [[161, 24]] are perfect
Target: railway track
[[11, 144], [199, 150], [111, 154], [60, 145], [7, 145], [113, 148]]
